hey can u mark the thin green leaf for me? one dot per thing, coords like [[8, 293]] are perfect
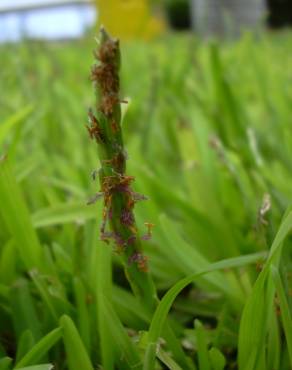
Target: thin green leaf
[[25, 344], [7, 125], [285, 311], [77, 356], [39, 367], [24, 313], [167, 360], [192, 260], [40, 349], [16, 217], [127, 351], [5, 363], [64, 213], [164, 306], [82, 312], [202, 346], [217, 359], [257, 310]]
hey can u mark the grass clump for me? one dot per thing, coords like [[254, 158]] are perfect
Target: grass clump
[[219, 190]]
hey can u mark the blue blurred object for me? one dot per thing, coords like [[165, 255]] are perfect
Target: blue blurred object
[[45, 19]]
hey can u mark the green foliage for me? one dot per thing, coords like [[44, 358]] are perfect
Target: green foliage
[[40, 349], [209, 142]]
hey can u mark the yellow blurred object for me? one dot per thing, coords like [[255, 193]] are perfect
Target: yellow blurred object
[[127, 19]]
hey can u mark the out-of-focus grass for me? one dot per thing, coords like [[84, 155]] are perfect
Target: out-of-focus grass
[[208, 132]]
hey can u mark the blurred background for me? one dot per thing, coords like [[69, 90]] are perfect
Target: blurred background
[[65, 19]]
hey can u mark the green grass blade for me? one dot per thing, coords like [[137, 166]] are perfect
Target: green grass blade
[[64, 213], [25, 344], [7, 125], [8, 262], [150, 355], [44, 293], [39, 367], [273, 343], [191, 259], [24, 313], [77, 356], [129, 309], [82, 312], [167, 360], [202, 346], [40, 349], [164, 306], [102, 283], [285, 311], [257, 310], [128, 353], [5, 363], [16, 217], [217, 359]]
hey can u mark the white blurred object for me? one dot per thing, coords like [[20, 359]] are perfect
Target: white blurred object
[[227, 17], [45, 19]]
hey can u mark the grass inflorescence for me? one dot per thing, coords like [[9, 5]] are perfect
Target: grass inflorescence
[[119, 198]]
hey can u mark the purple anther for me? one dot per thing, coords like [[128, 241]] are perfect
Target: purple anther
[[134, 258], [131, 239], [127, 217]]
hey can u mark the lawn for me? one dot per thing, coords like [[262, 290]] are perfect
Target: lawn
[[207, 128]]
